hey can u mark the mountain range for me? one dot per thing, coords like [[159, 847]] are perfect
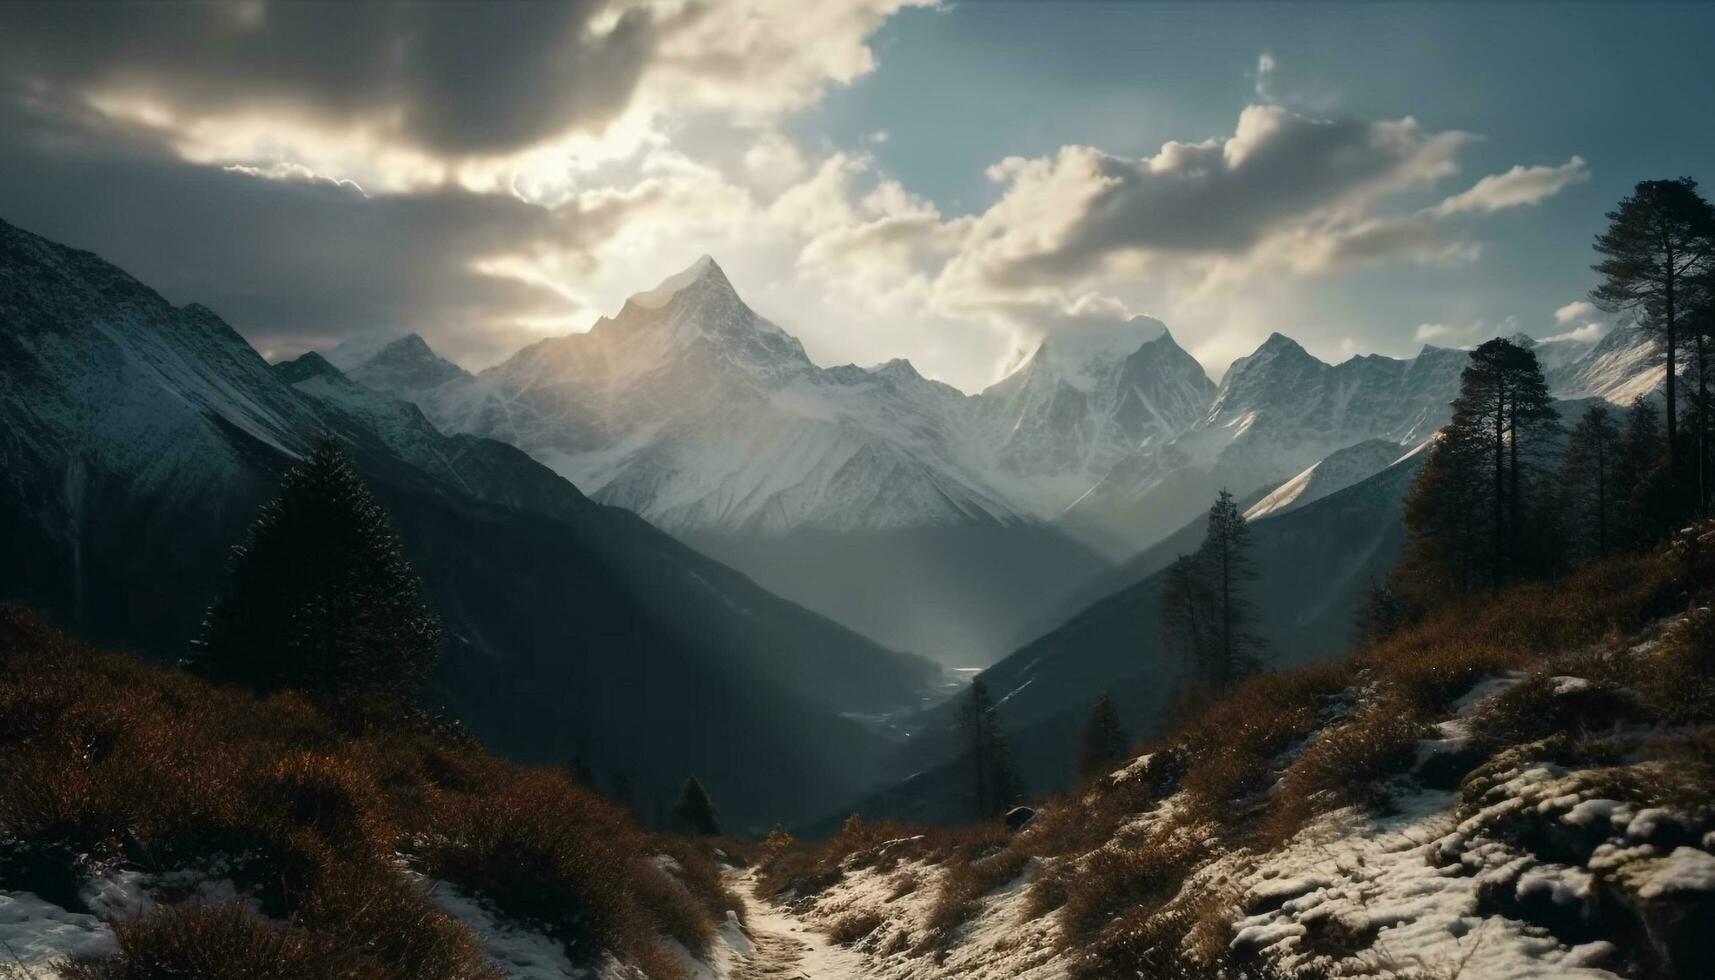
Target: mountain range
[[141, 437], [960, 521]]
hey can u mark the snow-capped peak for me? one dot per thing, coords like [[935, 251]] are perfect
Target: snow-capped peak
[[702, 269], [1085, 353]]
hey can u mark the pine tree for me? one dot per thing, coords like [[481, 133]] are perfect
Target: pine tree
[[1478, 515], [1380, 614], [321, 598], [994, 783], [1234, 649], [1445, 545], [1641, 482], [1103, 743], [1587, 482], [695, 813], [1659, 240], [1186, 611]]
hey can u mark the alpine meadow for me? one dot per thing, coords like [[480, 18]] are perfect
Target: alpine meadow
[[856, 490]]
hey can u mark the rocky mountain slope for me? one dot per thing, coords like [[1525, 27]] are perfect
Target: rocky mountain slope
[[140, 437], [1517, 789]]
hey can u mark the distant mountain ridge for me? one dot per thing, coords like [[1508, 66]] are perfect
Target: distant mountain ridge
[[1280, 410], [699, 414]]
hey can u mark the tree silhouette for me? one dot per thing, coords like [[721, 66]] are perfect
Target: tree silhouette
[[1660, 239], [1466, 515], [321, 598], [1588, 485], [1380, 613], [1235, 648], [1187, 611], [1103, 743], [695, 813], [994, 783]]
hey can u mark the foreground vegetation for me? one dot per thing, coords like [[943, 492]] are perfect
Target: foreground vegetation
[[330, 837], [1246, 772]]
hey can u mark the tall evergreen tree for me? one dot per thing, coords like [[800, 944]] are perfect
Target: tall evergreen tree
[[1446, 548], [1235, 648], [994, 783], [1503, 406], [1659, 240], [1587, 483], [1187, 611], [1103, 743], [321, 598], [695, 813], [1469, 514], [1641, 480]]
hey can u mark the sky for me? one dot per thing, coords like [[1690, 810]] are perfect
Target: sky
[[949, 182]]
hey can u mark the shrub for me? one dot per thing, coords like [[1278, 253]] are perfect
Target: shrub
[[230, 942], [848, 929], [1127, 875], [1344, 765], [961, 889], [106, 761]]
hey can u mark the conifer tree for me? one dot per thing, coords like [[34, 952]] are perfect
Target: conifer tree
[[1659, 241], [1186, 611], [994, 783], [1587, 483], [1640, 478], [1476, 516], [695, 813], [1235, 648], [1380, 613], [321, 598], [1103, 743]]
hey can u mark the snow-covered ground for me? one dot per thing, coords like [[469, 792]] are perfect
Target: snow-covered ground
[[1535, 866]]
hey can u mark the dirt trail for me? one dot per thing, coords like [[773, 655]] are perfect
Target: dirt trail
[[784, 947]]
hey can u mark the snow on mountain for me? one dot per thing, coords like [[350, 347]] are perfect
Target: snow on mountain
[[1084, 400], [1280, 410], [691, 409], [405, 365], [1339, 470], [1621, 367]]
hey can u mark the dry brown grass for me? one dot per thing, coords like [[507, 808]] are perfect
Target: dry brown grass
[[848, 929], [106, 761], [959, 893]]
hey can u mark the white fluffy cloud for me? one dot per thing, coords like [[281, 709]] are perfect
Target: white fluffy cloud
[[680, 149], [1520, 186]]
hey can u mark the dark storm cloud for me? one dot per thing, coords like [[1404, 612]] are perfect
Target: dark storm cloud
[[289, 263], [456, 79]]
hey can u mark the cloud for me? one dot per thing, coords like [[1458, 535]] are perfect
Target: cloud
[[1457, 335], [425, 74], [1589, 333], [1520, 186], [1280, 175], [1575, 310], [405, 95]]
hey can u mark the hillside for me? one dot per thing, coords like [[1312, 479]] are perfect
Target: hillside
[[143, 436], [1521, 787], [154, 825]]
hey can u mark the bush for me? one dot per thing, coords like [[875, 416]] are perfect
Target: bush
[[230, 942], [848, 929], [1127, 875], [108, 762]]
